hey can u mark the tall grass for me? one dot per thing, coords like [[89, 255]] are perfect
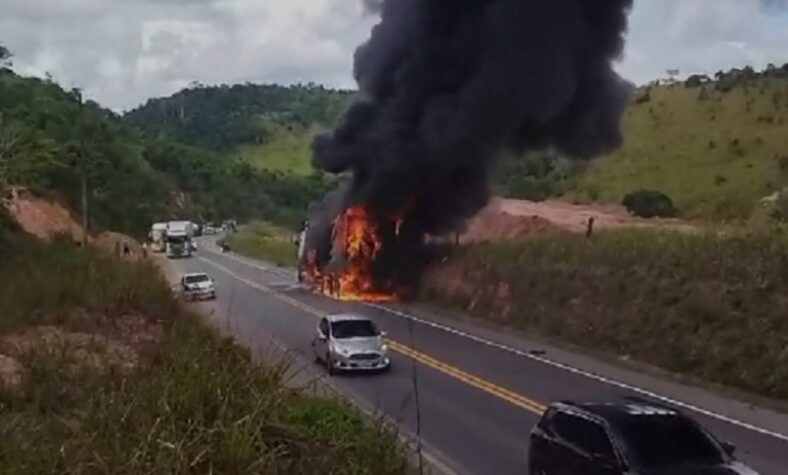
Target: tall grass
[[265, 241], [200, 407], [712, 306], [45, 283], [194, 404]]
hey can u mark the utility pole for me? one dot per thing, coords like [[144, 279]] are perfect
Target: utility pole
[[83, 165], [84, 209]]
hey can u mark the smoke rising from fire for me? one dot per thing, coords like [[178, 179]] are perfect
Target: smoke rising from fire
[[446, 86]]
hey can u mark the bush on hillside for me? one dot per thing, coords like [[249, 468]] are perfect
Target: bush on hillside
[[649, 204], [779, 208]]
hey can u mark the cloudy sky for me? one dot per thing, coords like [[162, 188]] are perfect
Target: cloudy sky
[[122, 52]]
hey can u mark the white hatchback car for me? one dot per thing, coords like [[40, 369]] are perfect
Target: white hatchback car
[[198, 286], [348, 342]]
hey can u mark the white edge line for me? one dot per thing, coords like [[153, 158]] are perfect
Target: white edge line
[[586, 374], [555, 364]]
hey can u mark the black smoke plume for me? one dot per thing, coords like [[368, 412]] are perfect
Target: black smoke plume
[[446, 86]]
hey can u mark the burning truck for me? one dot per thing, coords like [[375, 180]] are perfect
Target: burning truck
[[355, 262], [446, 88]]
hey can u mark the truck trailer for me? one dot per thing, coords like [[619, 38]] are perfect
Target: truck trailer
[[158, 237]]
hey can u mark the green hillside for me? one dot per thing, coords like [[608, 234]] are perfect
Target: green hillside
[[716, 149], [51, 140], [270, 126], [289, 153]]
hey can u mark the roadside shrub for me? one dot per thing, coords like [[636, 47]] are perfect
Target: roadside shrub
[[649, 204]]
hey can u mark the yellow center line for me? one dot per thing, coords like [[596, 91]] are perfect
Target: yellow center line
[[445, 368]]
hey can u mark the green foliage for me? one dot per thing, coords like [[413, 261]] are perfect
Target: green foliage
[[8, 229], [50, 141], [649, 204], [734, 132], [5, 56], [265, 241], [287, 153], [224, 117], [45, 283], [536, 176], [707, 305]]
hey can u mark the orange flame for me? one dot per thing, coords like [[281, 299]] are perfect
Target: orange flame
[[356, 237]]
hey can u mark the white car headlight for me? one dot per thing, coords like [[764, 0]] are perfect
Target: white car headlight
[[384, 348]]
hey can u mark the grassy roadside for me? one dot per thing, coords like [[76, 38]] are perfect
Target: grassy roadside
[[96, 397], [265, 241], [707, 306]]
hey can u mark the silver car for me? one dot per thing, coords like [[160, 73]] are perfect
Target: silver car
[[197, 286], [348, 342]]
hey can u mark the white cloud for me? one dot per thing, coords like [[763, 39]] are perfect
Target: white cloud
[[704, 36], [125, 51]]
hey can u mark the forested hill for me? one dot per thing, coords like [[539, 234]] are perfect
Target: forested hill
[[225, 117], [51, 140]]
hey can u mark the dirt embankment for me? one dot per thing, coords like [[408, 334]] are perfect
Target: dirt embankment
[[48, 219], [40, 217], [506, 219]]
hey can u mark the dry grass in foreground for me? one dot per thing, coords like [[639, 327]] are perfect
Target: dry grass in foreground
[[113, 377]]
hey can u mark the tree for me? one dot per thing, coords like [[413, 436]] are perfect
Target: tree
[[649, 204], [5, 56]]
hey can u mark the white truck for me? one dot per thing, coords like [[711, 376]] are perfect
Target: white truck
[[158, 237], [179, 239]]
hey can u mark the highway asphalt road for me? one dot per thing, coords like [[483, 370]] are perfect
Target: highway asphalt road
[[477, 401]]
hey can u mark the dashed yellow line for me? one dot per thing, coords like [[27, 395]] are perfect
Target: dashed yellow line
[[469, 379], [445, 368]]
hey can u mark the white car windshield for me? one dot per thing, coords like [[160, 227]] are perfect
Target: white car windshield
[[354, 329], [196, 279]]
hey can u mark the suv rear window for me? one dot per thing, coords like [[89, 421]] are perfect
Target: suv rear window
[[661, 441]]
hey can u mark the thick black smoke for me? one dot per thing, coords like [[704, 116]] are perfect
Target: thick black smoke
[[448, 85], [372, 6]]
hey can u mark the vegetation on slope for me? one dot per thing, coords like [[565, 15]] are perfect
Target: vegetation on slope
[[223, 117], [715, 148], [52, 141], [711, 306], [190, 402], [261, 240], [289, 153]]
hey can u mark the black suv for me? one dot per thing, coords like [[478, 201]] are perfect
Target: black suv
[[626, 438]]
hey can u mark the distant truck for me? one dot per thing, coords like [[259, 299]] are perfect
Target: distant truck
[[179, 239], [158, 237]]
